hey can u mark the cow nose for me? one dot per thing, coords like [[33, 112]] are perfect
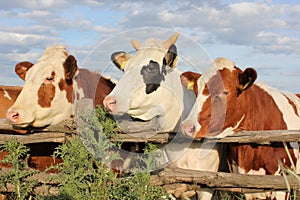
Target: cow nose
[[13, 116], [188, 129], [110, 103]]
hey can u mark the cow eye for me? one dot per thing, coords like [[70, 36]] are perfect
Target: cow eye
[[151, 68], [48, 79], [225, 92]]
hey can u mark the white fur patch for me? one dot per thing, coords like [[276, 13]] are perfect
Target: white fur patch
[[230, 130], [218, 64], [290, 118], [6, 95]]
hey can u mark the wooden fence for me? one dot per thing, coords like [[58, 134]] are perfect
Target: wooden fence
[[174, 180]]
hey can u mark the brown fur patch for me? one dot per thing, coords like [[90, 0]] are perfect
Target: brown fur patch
[[70, 67], [46, 94], [94, 85], [293, 105], [255, 157], [22, 68], [63, 85], [187, 77]]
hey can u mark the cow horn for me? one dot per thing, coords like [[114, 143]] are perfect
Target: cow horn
[[135, 44], [170, 41]]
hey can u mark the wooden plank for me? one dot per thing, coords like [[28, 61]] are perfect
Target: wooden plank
[[224, 180], [176, 181], [57, 133], [36, 137], [262, 137], [67, 126], [259, 137], [157, 138]]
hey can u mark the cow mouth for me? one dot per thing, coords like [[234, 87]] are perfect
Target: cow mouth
[[133, 125], [23, 125]]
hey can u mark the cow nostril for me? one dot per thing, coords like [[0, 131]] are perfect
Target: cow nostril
[[189, 129], [110, 103], [192, 129], [113, 102], [13, 116]]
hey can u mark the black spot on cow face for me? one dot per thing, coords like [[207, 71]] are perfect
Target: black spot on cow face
[[152, 76]]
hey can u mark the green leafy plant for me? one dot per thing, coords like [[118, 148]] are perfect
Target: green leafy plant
[[18, 175], [84, 172], [137, 186], [81, 175], [84, 177], [107, 122]]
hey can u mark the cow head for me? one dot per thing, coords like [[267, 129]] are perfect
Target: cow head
[[150, 87], [47, 96], [221, 93]]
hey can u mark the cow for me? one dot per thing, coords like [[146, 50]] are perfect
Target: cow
[[52, 86], [229, 101], [151, 91]]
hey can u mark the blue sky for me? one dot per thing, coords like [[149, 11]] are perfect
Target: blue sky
[[263, 34]]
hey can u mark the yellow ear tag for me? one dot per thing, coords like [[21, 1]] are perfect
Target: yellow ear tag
[[190, 85], [123, 65], [247, 84]]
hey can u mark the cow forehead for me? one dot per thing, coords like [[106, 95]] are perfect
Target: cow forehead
[[144, 56], [45, 68], [51, 60], [218, 65]]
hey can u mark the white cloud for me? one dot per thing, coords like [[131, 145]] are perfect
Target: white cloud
[[15, 42], [263, 29]]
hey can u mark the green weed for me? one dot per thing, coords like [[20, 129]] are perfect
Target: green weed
[[17, 176]]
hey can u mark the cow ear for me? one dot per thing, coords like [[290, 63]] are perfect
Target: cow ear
[[71, 68], [119, 59], [170, 58], [22, 67], [246, 79], [189, 79]]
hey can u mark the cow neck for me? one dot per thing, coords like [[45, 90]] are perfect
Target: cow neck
[[92, 85], [259, 109]]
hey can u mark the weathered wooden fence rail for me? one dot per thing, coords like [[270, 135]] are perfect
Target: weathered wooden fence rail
[[60, 132], [172, 179]]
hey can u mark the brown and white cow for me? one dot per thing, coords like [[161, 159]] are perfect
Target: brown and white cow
[[151, 90], [52, 86], [228, 101]]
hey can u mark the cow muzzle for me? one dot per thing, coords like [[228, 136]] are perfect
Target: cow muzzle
[[15, 118], [188, 129], [110, 104]]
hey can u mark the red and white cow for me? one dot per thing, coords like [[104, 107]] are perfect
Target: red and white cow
[[151, 90], [51, 88], [228, 101]]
